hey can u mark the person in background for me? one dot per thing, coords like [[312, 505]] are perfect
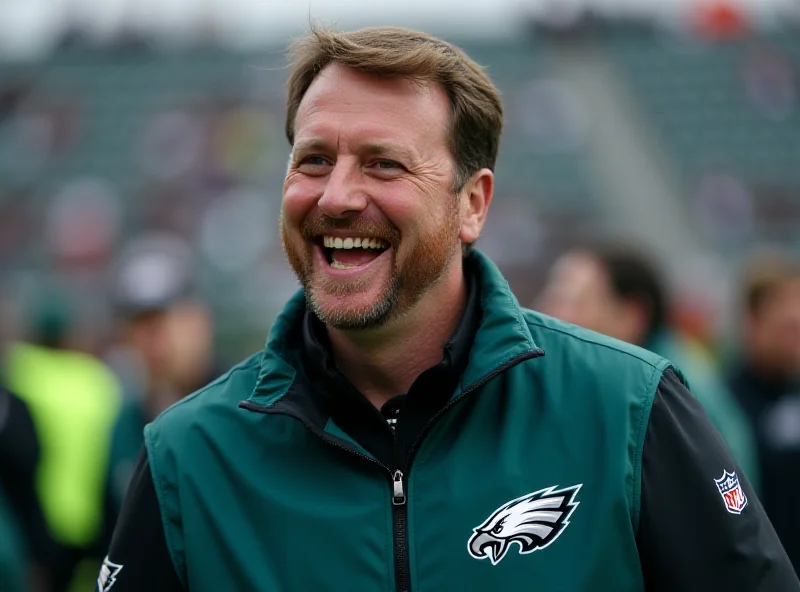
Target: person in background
[[765, 376], [72, 398], [25, 543], [618, 291], [165, 348]]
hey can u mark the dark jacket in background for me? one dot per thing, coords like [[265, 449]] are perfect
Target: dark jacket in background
[[774, 409]]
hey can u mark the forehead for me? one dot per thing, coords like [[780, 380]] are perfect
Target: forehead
[[353, 106]]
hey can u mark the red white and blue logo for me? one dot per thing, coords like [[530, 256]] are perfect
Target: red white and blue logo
[[731, 491]]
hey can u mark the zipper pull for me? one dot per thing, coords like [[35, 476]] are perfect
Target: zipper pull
[[399, 494]]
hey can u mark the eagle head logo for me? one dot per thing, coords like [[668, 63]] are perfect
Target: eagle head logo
[[533, 521]]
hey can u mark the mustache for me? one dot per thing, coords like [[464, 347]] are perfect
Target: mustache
[[317, 225]]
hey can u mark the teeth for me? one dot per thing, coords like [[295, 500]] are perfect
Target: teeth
[[331, 242]]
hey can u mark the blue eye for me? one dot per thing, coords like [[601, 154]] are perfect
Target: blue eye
[[314, 160], [387, 164]]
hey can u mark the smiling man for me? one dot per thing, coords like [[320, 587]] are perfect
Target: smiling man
[[403, 429]]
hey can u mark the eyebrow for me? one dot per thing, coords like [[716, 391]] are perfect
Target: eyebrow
[[368, 148], [308, 144], [384, 149]]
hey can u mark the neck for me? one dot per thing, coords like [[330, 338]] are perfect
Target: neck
[[384, 362]]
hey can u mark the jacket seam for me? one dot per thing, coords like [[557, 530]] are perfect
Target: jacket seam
[[274, 400], [599, 344], [165, 522], [522, 323], [641, 431]]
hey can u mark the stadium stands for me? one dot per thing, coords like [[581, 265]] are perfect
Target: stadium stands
[[192, 142], [725, 108]]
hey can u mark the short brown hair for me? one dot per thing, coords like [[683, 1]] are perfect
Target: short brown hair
[[392, 52], [764, 274]]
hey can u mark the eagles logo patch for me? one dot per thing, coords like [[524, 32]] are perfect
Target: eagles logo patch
[[532, 521], [108, 575]]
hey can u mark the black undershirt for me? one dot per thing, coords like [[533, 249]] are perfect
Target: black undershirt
[[390, 433]]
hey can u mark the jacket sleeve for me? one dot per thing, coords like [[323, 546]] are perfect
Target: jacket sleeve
[[691, 536], [138, 558]]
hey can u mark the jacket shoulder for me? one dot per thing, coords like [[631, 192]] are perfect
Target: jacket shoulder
[[613, 382]]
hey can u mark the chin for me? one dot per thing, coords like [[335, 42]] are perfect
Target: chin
[[353, 311]]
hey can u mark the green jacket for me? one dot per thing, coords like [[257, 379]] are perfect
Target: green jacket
[[269, 494]]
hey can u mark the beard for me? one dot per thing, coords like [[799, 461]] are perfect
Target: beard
[[423, 266]]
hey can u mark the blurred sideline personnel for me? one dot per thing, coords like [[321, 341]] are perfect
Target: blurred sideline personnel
[[25, 543], [165, 348], [409, 426], [615, 290], [72, 398], [765, 376]]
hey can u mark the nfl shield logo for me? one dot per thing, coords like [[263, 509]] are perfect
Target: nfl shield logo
[[731, 492]]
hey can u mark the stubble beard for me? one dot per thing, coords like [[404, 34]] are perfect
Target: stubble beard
[[427, 263]]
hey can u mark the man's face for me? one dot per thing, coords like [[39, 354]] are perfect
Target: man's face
[[369, 220], [774, 330], [578, 291]]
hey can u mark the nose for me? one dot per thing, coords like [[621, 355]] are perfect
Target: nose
[[344, 194]]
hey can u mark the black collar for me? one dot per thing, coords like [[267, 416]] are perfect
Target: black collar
[[413, 410]]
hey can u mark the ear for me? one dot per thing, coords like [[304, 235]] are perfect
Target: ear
[[475, 197]]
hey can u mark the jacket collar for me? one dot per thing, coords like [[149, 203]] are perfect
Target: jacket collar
[[502, 337]]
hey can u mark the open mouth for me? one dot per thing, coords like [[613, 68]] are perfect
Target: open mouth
[[351, 252]]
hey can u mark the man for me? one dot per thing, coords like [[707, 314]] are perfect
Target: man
[[404, 428], [616, 290], [25, 543], [766, 379], [165, 350]]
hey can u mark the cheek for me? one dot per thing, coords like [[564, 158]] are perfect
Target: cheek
[[418, 215], [300, 195]]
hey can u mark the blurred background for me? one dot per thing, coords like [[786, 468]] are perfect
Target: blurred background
[[141, 162]]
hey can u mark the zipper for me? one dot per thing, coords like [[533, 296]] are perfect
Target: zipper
[[402, 564], [399, 508], [398, 476], [400, 515], [398, 493]]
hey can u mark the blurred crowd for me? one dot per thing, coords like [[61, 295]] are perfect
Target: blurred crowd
[[71, 422]]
